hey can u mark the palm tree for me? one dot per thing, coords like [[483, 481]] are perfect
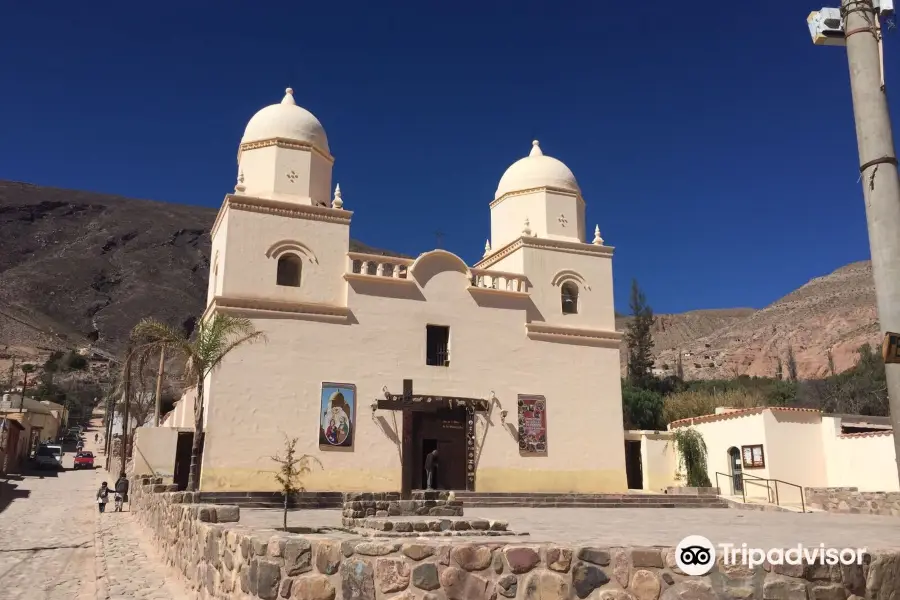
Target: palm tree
[[202, 352], [26, 369]]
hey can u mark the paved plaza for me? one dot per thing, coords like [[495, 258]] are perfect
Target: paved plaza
[[54, 544], [650, 526]]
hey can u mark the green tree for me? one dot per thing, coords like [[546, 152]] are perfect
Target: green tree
[[692, 453], [202, 352], [791, 364], [779, 370], [860, 390], [642, 409], [291, 469], [639, 338], [831, 369], [679, 368]]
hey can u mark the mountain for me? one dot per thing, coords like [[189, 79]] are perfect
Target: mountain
[[78, 267], [835, 313]]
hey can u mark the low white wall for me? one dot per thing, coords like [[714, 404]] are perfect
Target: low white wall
[[866, 461], [154, 451]]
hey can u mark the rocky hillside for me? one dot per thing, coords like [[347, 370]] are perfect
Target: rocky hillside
[[835, 312], [77, 267]]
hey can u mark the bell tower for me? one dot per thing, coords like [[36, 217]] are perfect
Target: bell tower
[[284, 155]]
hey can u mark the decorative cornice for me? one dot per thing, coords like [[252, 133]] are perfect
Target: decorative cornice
[[284, 143], [265, 308], [545, 188], [508, 293], [378, 278], [564, 334], [544, 244], [282, 208]]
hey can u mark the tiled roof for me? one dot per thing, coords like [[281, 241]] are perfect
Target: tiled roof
[[864, 434], [738, 413]]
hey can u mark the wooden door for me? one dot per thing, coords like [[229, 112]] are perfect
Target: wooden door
[[634, 471]]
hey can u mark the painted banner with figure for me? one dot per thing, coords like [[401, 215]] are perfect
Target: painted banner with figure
[[532, 424], [336, 417]]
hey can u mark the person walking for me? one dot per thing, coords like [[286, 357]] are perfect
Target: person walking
[[121, 491], [431, 465], [102, 496]]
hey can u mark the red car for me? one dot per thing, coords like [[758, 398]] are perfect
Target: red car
[[84, 460]]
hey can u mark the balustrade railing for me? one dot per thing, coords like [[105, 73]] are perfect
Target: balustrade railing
[[378, 266], [391, 267], [499, 280]]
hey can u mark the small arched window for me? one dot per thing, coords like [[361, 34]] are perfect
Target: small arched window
[[569, 295], [289, 269]]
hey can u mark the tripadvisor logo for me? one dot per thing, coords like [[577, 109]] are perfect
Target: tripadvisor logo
[[695, 555]]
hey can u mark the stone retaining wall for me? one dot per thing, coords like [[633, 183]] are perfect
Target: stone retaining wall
[[219, 558], [851, 500], [360, 505]]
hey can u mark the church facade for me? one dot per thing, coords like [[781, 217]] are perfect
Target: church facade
[[509, 367]]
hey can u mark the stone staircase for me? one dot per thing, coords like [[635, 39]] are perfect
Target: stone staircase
[[539, 500]]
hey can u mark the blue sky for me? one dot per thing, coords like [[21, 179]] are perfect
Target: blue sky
[[714, 143]]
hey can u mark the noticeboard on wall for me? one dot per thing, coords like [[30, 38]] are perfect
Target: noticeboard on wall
[[753, 457], [532, 424]]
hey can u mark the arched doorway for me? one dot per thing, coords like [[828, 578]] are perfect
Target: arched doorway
[[736, 470]]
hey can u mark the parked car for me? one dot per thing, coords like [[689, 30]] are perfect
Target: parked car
[[47, 458], [84, 460]]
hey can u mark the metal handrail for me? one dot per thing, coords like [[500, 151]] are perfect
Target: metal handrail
[[756, 479]]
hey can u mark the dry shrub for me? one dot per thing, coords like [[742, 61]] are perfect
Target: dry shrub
[[683, 405]]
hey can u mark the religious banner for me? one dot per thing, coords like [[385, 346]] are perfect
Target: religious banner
[[337, 415], [532, 424]]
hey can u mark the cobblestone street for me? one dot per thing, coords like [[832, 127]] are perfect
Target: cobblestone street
[[55, 545]]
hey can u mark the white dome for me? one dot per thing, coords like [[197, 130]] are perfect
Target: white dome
[[534, 171], [288, 121]]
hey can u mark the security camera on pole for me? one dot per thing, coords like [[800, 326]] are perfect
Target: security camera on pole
[[856, 26]]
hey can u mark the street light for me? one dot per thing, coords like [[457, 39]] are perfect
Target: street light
[[856, 26]]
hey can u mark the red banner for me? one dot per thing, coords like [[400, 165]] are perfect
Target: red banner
[[532, 424]]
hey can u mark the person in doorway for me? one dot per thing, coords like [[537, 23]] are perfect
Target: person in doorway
[[95, 437], [121, 490], [431, 465], [102, 496]]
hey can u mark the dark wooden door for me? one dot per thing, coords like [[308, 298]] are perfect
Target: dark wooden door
[[446, 431], [183, 459], [634, 471]]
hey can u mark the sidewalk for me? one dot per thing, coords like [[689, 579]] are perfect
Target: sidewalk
[[127, 565]]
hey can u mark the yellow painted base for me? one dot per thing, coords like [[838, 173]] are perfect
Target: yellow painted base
[[248, 480], [487, 480]]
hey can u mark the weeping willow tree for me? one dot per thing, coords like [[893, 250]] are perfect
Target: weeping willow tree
[[692, 456]]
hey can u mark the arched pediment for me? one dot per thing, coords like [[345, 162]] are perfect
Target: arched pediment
[[284, 246], [565, 275], [431, 263]]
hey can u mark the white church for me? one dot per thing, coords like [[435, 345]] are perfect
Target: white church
[[509, 367]]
